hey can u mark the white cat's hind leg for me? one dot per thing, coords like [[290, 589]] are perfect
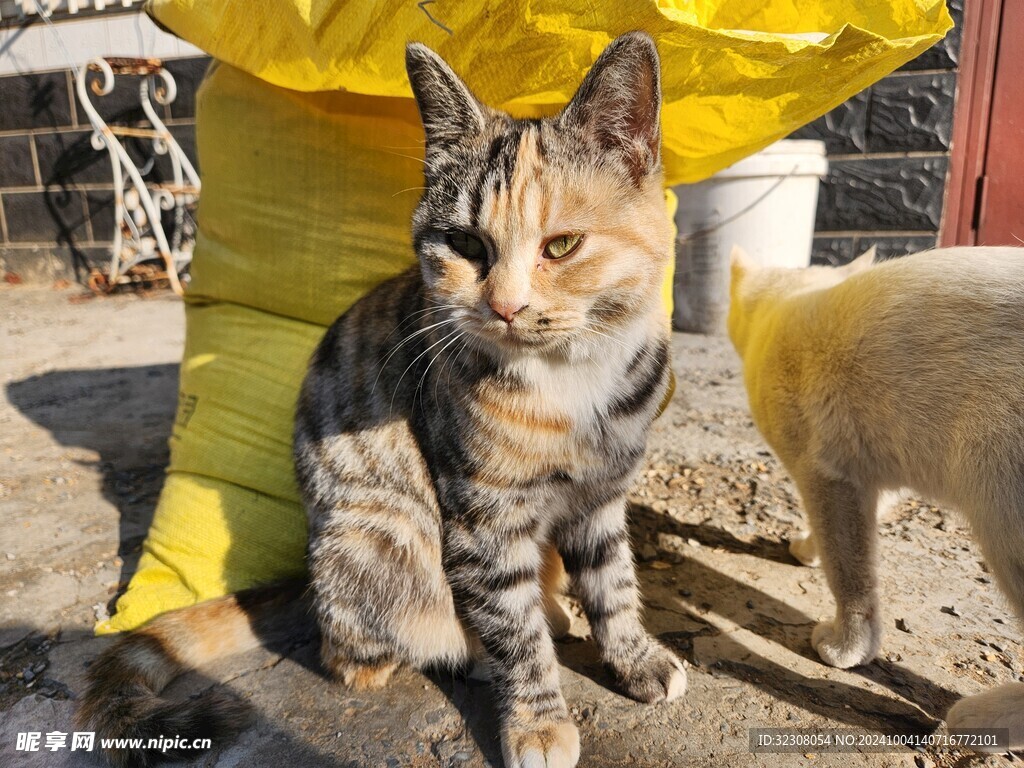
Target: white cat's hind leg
[[805, 549], [1000, 707], [844, 526]]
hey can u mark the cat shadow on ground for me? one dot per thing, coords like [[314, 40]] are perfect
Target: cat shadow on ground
[[921, 705], [645, 520], [474, 700]]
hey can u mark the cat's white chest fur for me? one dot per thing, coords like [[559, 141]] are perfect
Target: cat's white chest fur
[[582, 389]]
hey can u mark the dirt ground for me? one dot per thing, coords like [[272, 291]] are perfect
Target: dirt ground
[[89, 391]]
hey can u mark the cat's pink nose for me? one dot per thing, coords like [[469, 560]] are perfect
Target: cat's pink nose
[[507, 310]]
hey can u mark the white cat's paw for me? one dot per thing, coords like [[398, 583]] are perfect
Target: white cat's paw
[[856, 642], [541, 745], [1000, 707], [804, 548], [676, 685]]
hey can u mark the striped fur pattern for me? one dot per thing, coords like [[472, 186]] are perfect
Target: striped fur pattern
[[470, 419]]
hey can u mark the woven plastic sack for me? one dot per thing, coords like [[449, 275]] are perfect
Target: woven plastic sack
[[736, 74], [309, 147]]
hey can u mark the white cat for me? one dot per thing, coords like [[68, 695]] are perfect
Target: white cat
[[867, 379]]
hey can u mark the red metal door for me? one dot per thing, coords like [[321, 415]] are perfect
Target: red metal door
[[1000, 218], [985, 193]]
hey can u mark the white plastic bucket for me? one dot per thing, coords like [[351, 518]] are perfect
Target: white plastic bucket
[[765, 204]]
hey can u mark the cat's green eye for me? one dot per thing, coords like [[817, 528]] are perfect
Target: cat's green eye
[[466, 245], [562, 246]]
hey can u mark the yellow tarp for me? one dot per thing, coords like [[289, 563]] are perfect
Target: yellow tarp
[[735, 74], [308, 146]]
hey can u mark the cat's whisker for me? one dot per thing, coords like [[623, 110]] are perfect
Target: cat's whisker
[[415, 360], [436, 305], [410, 337], [608, 327], [412, 317], [454, 352], [470, 343], [407, 189], [422, 330], [451, 368], [610, 338], [436, 302], [433, 360], [410, 157], [402, 343]]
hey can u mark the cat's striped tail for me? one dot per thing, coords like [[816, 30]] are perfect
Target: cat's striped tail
[[122, 702]]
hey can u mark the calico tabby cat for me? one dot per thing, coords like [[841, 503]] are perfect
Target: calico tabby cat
[[474, 423], [868, 379]]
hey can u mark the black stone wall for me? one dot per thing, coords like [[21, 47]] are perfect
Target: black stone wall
[[56, 191], [888, 151]]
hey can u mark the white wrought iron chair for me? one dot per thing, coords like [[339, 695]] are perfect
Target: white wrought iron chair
[[139, 233]]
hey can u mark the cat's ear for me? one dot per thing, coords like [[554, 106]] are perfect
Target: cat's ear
[[865, 261], [447, 107], [618, 105], [740, 264]]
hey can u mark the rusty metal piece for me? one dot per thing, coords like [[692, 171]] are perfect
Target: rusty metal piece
[[123, 65], [185, 189], [97, 282], [138, 133]]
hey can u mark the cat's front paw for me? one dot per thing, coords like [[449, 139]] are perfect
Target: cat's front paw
[[1000, 707], [544, 744], [658, 676], [846, 644], [804, 548]]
